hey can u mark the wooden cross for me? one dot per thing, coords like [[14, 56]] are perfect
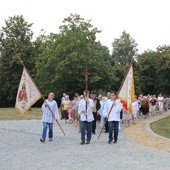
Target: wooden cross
[[86, 74]]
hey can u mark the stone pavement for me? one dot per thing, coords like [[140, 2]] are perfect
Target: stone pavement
[[20, 149]]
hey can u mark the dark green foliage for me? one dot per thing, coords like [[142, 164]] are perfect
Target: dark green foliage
[[65, 56], [15, 45], [57, 61], [123, 53], [154, 72]]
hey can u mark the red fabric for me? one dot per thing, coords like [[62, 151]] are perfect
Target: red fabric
[[125, 105]]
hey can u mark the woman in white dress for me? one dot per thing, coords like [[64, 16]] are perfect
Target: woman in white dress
[[135, 108], [160, 103]]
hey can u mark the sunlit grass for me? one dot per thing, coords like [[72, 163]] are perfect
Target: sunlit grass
[[13, 114], [162, 127]]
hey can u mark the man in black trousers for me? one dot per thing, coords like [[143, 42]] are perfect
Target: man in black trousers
[[95, 110]]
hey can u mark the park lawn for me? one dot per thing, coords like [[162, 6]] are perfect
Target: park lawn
[[162, 127], [13, 114]]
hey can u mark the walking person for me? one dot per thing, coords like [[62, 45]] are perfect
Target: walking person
[[135, 108], [145, 107], [47, 117], [75, 110], [66, 108], [112, 113], [104, 105], [79, 121], [61, 106], [165, 103], [85, 111], [101, 99], [95, 110], [160, 103], [152, 107]]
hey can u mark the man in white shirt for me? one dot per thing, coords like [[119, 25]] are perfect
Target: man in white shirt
[[112, 112], [47, 117], [85, 111]]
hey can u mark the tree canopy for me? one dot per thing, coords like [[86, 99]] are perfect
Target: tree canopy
[[65, 56], [15, 45], [57, 61]]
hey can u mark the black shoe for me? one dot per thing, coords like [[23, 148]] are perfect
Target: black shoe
[[93, 133], [109, 142], [88, 142], [115, 141], [50, 139], [82, 143], [42, 140]]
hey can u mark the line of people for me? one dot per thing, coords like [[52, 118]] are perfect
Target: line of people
[[85, 109], [88, 109]]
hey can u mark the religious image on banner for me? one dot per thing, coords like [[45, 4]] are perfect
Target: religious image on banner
[[27, 94], [22, 96]]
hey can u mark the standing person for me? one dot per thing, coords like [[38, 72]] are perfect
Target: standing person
[[160, 103], [85, 111], [62, 100], [95, 110], [80, 98], [135, 109], [112, 112], [47, 117], [165, 103], [145, 107], [75, 110], [101, 99], [66, 107], [139, 105], [152, 107], [104, 105]]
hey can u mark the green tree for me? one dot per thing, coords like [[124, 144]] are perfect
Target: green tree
[[15, 45], [65, 56], [123, 53], [124, 49], [163, 70], [154, 69], [147, 70]]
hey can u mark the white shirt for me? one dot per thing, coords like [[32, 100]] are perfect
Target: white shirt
[[160, 99], [115, 112], [135, 106], [47, 116], [82, 109]]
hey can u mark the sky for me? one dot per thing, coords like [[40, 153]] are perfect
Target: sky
[[147, 21]]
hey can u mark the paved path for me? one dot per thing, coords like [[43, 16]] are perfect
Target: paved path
[[142, 134], [20, 149]]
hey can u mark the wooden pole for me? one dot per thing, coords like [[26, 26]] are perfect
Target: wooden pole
[[105, 121], [43, 99], [86, 74]]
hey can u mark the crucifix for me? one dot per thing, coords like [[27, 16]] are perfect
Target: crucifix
[[86, 74]]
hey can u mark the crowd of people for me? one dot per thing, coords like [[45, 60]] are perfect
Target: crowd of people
[[88, 109]]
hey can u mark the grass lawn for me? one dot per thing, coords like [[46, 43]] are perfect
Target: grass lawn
[[162, 127], [13, 114]]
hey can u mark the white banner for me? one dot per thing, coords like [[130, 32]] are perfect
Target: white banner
[[127, 91], [27, 94]]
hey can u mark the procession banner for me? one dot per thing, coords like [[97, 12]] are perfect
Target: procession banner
[[27, 93], [127, 91]]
